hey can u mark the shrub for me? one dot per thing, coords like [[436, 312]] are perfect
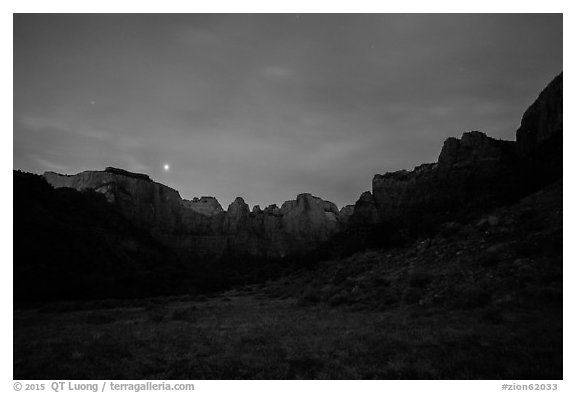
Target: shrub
[[413, 295], [99, 319], [472, 298], [338, 299], [184, 314], [310, 296], [420, 279]]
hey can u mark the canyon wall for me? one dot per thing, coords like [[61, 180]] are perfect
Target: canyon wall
[[201, 227], [473, 172]]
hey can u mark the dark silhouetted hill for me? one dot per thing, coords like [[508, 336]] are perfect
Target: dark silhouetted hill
[[70, 244]]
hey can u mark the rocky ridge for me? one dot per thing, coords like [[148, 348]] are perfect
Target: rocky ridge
[[539, 138], [206, 205], [201, 227], [475, 171]]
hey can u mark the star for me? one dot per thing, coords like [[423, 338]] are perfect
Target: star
[[92, 102], [166, 167]]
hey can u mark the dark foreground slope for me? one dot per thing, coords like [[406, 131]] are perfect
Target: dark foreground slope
[[499, 256], [479, 300], [72, 245]]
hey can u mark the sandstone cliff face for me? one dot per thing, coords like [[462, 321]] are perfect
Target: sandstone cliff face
[[345, 213], [69, 245], [475, 169], [475, 152], [201, 227], [542, 121], [141, 200], [540, 137], [205, 205], [365, 211], [298, 227], [310, 214]]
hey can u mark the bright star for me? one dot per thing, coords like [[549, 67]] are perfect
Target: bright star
[[166, 167]]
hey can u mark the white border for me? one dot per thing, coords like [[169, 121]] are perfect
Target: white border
[[299, 6]]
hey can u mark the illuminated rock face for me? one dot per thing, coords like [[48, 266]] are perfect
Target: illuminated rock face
[[201, 227], [142, 201], [205, 205]]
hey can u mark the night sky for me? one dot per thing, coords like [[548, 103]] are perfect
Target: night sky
[[269, 106]]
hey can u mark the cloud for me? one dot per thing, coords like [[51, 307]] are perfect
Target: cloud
[[49, 165], [277, 72], [45, 124]]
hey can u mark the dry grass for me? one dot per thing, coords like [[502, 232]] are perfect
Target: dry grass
[[250, 337]]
